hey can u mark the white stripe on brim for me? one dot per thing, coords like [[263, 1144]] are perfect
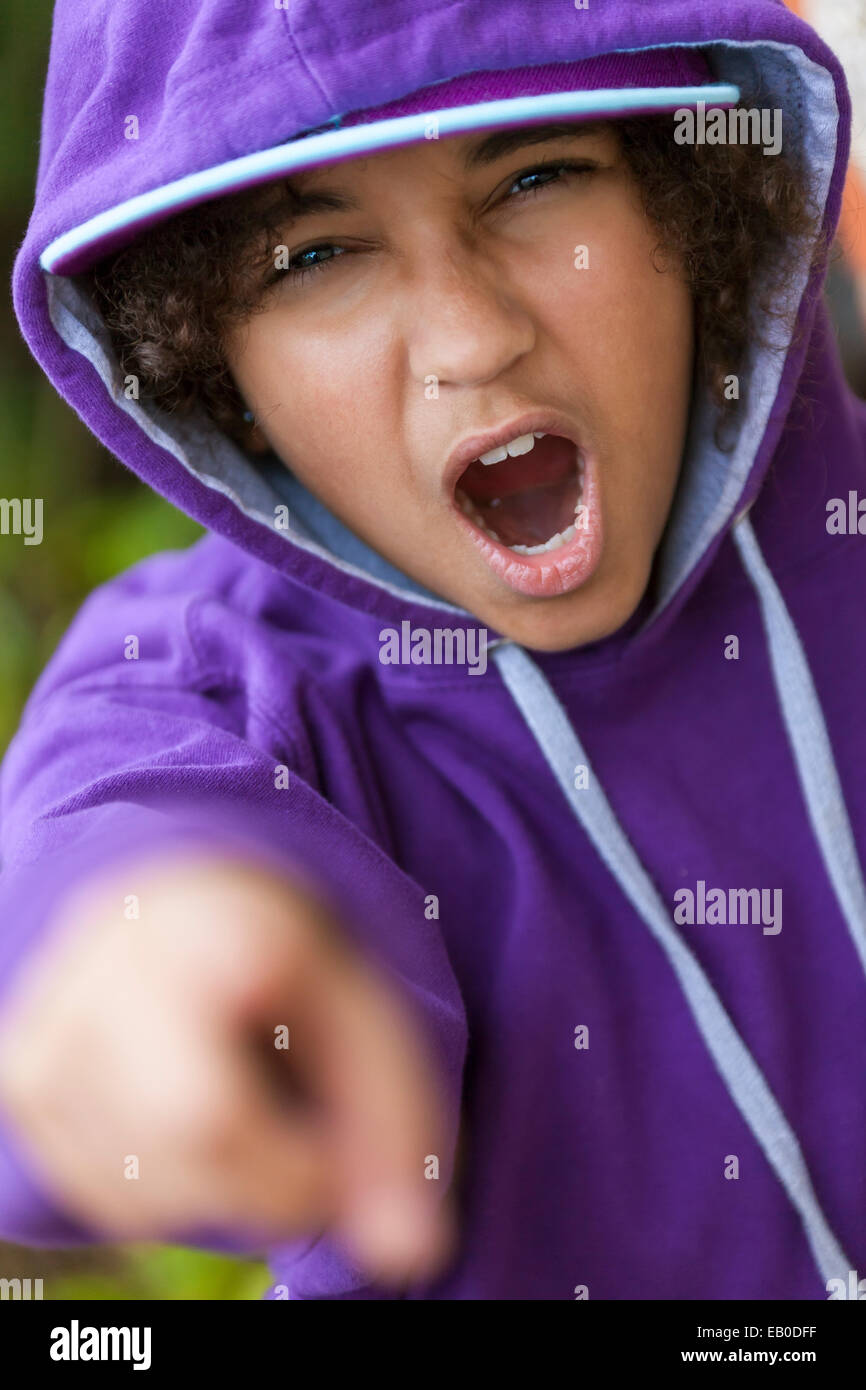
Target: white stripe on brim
[[69, 253]]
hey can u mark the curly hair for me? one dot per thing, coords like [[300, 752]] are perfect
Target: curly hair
[[734, 219]]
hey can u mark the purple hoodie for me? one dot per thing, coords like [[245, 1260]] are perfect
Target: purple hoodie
[[606, 1057]]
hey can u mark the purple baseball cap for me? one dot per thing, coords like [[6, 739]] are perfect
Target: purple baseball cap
[[609, 87]]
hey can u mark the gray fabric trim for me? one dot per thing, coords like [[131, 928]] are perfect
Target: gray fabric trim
[[712, 481], [809, 740], [748, 1088]]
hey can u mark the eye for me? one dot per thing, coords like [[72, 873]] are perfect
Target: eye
[[540, 176], [302, 264]]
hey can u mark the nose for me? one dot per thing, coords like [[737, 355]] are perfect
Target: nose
[[466, 325]]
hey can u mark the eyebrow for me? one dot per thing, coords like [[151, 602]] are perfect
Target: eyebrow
[[488, 150], [502, 142]]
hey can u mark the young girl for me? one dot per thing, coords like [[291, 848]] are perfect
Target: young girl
[[446, 874]]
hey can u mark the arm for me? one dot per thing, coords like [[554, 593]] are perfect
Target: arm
[[100, 778]]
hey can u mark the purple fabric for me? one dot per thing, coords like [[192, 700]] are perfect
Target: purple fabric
[[667, 68], [603, 1167]]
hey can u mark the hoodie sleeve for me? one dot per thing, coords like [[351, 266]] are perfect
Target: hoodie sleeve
[[120, 754]]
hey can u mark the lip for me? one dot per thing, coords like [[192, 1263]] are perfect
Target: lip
[[555, 572]]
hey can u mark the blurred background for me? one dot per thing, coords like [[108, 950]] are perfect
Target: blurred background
[[110, 521]]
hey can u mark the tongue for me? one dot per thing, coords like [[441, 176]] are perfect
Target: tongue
[[528, 499]]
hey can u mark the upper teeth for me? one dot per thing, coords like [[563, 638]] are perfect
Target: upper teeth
[[521, 445]]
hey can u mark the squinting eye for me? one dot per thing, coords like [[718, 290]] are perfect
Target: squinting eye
[[549, 173], [299, 267]]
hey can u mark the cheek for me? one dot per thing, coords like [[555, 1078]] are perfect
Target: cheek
[[626, 326], [324, 401], [624, 330], [312, 388]]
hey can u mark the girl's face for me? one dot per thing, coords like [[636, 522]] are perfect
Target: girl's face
[[442, 301]]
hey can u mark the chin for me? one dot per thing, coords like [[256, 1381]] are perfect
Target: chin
[[575, 620]]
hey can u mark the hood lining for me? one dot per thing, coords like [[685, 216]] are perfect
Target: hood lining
[[708, 494]]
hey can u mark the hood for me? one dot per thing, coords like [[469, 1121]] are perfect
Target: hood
[[240, 63]]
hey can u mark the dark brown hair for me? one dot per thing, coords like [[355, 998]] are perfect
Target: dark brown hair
[[735, 219]]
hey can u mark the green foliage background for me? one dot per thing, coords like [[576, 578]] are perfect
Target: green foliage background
[[100, 520]]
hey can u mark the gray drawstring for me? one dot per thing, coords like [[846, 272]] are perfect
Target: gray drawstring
[[562, 749], [809, 740]]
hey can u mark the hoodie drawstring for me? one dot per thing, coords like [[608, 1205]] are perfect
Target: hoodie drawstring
[[548, 722], [809, 740]]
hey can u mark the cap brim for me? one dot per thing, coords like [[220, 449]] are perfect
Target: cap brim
[[87, 243]]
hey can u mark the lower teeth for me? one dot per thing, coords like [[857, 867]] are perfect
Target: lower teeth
[[561, 538], [553, 544]]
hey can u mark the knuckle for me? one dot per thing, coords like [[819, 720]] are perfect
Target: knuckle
[[209, 1128], [187, 1118], [223, 1133]]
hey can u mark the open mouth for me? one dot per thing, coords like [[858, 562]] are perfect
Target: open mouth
[[526, 494], [529, 502]]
